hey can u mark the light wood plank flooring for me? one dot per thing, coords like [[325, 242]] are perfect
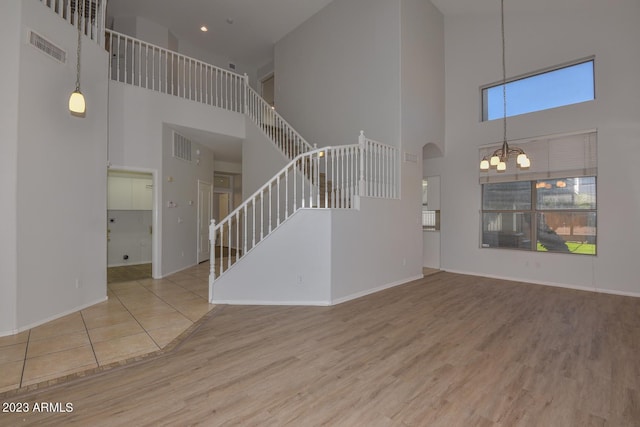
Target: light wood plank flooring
[[446, 350]]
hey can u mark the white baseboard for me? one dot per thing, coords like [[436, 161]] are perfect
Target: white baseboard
[[129, 263], [282, 303], [176, 271], [552, 284], [54, 317], [374, 290]]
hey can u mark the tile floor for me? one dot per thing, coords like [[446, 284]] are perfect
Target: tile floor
[[141, 316]]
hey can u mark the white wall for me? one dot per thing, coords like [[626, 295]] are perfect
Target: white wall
[[338, 73], [368, 253], [539, 35], [61, 192], [10, 32], [377, 66], [290, 267], [422, 75], [129, 234], [180, 223]]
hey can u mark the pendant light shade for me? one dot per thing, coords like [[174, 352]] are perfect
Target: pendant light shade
[[76, 102]]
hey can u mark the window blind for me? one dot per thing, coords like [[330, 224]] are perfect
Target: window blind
[[555, 156]]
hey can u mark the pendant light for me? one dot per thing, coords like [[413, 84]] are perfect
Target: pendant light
[[77, 106], [498, 159]]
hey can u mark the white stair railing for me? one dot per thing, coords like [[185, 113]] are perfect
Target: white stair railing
[[152, 67], [92, 23], [274, 125], [325, 178], [380, 169]]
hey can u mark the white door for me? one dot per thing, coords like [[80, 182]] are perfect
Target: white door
[[205, 214]]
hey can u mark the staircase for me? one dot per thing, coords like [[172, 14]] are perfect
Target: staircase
[[315, 178]]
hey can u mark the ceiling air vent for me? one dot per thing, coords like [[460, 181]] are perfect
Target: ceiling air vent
[[181, 147], [47, 47]]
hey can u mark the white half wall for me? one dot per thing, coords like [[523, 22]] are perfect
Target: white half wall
[[368, 253], [291, 266]]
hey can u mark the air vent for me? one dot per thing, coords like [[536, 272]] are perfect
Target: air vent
[[181, 147], [47, 47]]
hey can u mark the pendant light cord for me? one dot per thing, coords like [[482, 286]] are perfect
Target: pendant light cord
[[79, 8]]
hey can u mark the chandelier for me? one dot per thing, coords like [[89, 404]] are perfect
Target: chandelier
[[498, 159]]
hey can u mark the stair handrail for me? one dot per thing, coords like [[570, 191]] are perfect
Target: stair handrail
[[280, 131]]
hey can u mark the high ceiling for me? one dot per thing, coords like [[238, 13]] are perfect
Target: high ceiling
[[244, 31]]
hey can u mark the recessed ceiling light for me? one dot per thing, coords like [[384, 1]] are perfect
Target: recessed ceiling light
[[229, 20], [204, 29]]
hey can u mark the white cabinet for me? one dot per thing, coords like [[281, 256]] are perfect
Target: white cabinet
[[141, 194], [126, 193]]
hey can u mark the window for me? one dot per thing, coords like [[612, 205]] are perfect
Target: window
[[430, 217], [547, 215], [541, 91]]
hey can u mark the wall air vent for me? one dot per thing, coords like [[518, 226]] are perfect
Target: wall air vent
[[181, 147], [44, 45]]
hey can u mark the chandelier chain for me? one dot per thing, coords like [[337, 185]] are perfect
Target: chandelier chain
[[504, 78]]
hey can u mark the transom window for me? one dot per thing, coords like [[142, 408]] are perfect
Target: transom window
[[551, 88]]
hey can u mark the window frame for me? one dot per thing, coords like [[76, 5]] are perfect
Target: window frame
[[484, 113], [533, 215]]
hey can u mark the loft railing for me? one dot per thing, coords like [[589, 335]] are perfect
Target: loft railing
[[152, 67], [92, 19], [324, 178]]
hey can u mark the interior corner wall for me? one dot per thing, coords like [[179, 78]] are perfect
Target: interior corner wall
[[422, 75], [10, 31], [338, 73], [61, 192], [540, 35]]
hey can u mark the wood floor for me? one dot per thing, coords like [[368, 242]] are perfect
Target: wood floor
[[447, 350]]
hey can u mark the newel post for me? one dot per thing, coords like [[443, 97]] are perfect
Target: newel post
[[246, 93], [362, 145]]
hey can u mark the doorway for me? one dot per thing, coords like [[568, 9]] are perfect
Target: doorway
[[130, 225], [205, 214], [268, 89]]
